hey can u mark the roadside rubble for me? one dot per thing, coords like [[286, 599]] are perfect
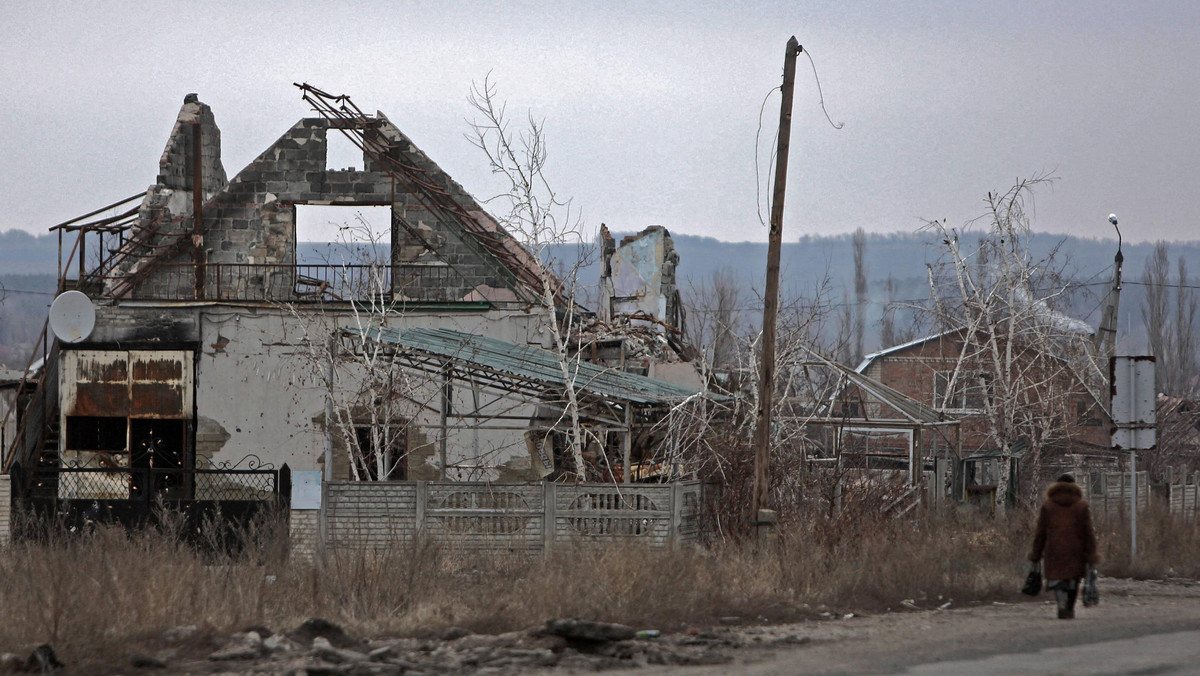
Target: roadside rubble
[[319, 647]]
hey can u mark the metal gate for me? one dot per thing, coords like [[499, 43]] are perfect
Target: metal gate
[[208, 505]]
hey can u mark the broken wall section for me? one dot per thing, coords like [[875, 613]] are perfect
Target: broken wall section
[[638, 277]]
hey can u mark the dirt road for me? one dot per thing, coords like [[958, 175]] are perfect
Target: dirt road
[[1139, 627]]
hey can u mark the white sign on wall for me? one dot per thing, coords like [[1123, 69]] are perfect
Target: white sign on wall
[[306, 490], [1133, 402]]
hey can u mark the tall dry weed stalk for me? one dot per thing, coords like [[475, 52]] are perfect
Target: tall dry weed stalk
[[103, 592]]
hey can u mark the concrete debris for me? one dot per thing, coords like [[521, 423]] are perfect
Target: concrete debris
[[454, 633], [181, 633], [569, 645], [322, 649], [139, 661], [10, 663], [279, 643], [245, 646], [586, 630], [316, 627], [43, 660]]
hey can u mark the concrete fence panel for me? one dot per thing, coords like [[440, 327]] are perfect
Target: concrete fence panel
[[529, 516]]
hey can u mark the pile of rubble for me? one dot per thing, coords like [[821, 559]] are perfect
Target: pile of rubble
[[631, 337], [321, 647]]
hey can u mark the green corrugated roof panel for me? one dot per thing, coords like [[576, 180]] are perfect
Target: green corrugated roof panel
[[529, 362]]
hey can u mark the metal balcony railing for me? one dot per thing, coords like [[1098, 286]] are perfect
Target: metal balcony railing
[[298, 283]]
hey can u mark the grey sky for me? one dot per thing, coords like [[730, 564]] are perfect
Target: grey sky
[[651, 108]]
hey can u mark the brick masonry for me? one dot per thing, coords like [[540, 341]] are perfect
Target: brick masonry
[[250, 220], [912, 371], [304, 530]]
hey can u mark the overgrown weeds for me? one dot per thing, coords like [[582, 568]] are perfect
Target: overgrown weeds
[[98, 591]]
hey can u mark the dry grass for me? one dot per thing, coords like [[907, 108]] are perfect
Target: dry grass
[[95, 594]]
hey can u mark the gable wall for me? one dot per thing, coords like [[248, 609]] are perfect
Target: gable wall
[[251, 220]]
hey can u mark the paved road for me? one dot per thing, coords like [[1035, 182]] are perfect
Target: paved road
[[1139, 628], [1173, 653]]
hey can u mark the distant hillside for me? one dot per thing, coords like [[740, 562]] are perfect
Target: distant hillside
[[24, 301], [24, 254], [28, 263]]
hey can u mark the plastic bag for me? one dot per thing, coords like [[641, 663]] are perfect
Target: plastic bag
[[1033, 581], [1091, 592]]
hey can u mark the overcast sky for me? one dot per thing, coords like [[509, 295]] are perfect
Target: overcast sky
[[650, 108]]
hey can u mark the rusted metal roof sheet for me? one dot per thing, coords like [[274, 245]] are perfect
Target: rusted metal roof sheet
[[528, 363]]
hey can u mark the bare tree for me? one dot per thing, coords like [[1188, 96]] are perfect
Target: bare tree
[[540, 218], [859, 244], [1156, 277], [1171, 327], [891, 332], [1186, 308], [371, 401], [713, 311], [1022, 364]]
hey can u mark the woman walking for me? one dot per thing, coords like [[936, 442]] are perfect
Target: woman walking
[[1066, 541]]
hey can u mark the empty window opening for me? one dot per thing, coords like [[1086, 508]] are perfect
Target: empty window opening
[[90, 433], [343, 235], [341, 153], [391, 440]]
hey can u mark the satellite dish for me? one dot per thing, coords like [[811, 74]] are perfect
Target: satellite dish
[[72, 316]]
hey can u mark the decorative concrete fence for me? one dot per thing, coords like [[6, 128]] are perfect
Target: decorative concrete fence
[[531, 516]]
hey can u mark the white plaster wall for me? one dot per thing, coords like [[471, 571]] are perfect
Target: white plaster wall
[[256, 382], [637, 272]]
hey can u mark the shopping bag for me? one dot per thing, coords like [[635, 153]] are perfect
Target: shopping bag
[[1091, 592], [1033, 581]]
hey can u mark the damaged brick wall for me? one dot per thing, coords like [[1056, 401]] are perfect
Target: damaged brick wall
[[250, 222]]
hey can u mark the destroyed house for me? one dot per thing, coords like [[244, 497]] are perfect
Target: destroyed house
[[218, 343]]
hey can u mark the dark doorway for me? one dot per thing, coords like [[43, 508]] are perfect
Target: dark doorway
[[160, 444]]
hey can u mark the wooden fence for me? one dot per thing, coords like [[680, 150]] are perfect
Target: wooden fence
[[1108, 492], [533, 516], [1183, 493]]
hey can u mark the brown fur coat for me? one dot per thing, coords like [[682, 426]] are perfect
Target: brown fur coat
[[1064, 538]]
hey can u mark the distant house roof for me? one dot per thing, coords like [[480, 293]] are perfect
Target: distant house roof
[[511, 365], [903, 346]]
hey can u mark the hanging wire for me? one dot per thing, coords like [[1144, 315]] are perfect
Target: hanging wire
[[757, 175], [820, 94]]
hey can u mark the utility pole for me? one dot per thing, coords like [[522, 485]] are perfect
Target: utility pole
[[764, 519]]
